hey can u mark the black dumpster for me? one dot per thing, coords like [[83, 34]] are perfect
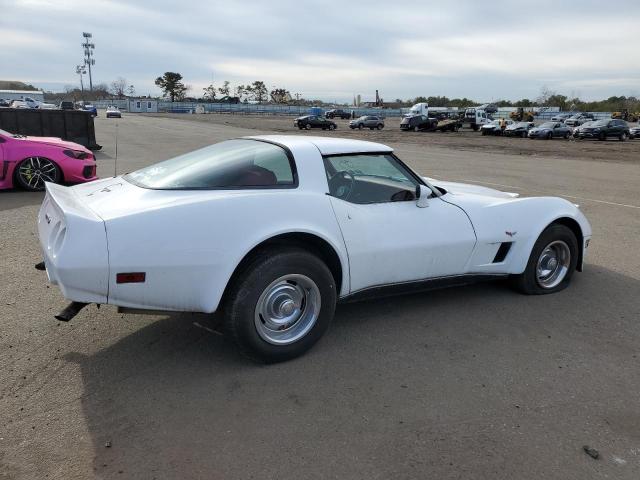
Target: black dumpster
[[73, 125]]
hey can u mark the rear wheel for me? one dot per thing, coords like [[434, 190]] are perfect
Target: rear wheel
[[549, 136], [32, 173], [623, 136], [551, 264], [602, 137], [332, 127], [360, 127], [280, 305], [567, 135], [416, 129], [380, 126], [308, 126]]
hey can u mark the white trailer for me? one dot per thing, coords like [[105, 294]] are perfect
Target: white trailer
[[9, 95]]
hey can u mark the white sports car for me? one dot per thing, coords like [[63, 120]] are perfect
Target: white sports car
[[274, 230]]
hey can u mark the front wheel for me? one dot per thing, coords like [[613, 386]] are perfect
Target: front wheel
[[280, 304], [551, 264], [416, 129], [380, 126], [332, 127], [308, 126], [360, 127], [32, 173], [623, 136]]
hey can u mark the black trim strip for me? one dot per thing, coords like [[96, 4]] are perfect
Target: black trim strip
[[418, 286]]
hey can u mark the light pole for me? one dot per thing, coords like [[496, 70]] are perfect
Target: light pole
[[88, 55], [81, 71]]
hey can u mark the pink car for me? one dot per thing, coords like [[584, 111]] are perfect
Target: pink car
[[29, 162]]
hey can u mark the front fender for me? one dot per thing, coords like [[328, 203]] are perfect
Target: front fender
[[519, 221]]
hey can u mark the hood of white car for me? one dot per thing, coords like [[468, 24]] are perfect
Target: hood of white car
[[456, 189]]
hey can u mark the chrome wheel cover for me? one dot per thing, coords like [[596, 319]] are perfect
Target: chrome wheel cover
[[287, 309], [553, 264], [34, 171]]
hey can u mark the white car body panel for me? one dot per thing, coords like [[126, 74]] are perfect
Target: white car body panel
[[189, 242], [397, 242]]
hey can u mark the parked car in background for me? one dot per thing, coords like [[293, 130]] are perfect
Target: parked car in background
[[603, 129], [88, 107], [634, 132], [284, 227], [367, 121], [29, 162], [494, 127], [4, 103], [578, 119], [113, 112], [519, 129], [561, 117], [66, 105], [549, 130], [418, 123], [18, 104], [337, 112], [314, 121]]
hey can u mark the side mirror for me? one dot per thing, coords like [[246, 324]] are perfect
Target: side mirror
[[422, 196]]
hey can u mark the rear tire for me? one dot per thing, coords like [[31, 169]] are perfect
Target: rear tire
[[380, 126], [416, 129], [549, 136], [360, 127], [602, 137], [543, 274], [623, 137], [308, 126], [280, 304]]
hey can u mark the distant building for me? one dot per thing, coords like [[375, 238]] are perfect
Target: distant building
[[37, 95], [143, 105]]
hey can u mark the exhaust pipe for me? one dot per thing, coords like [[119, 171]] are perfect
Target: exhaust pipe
[[70, 311]]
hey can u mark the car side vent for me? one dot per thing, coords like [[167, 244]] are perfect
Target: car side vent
[[501, 254]]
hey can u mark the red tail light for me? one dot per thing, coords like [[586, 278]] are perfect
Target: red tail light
[[131, 277]]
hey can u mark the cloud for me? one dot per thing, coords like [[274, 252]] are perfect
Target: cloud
[[331, 49]]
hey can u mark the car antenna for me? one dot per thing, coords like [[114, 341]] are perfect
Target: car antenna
[[115, 161]]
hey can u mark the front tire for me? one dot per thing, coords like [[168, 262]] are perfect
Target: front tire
[[551, 264], [623, 136], [308, 126], [280, 305]]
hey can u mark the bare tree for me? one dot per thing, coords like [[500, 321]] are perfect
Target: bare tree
[[131, 90], [118, 87]]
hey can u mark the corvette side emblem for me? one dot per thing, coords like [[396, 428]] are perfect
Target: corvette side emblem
[[511, 234]]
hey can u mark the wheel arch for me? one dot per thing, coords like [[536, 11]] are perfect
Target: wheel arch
[[574, 226], [307, 241]]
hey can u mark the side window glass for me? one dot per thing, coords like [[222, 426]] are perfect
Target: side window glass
[[369, 178]]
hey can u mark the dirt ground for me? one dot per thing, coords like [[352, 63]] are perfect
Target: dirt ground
[[477, 382], [611, 150]]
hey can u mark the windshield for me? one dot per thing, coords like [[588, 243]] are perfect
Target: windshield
[[231, 164], [599, 123], [547, 125]]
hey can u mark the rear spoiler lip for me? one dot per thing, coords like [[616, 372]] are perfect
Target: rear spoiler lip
[[67, 201]]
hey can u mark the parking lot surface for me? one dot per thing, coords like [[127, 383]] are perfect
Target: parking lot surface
[[476, 382]]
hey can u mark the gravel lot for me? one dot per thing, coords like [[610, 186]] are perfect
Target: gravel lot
[[475, 382]]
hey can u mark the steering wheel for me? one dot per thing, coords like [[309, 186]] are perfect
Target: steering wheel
[[341, 184]]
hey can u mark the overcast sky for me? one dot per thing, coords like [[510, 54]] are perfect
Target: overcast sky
[[481, 49]]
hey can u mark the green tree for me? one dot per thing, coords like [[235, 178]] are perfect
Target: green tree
[[224, 89], [210, 92], [258, 91], [171, 85]]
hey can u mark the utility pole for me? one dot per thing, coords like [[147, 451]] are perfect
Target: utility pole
[[81, 71], [88, 55]]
